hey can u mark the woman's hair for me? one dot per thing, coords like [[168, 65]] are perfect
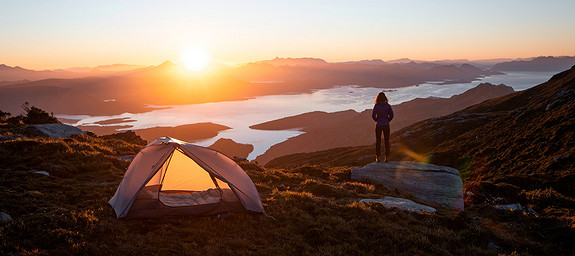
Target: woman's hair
[[380, 97]]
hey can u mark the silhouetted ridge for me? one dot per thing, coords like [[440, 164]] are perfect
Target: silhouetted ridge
[[543, 63]]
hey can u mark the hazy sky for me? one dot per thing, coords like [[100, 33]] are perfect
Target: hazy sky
[[65, 33]]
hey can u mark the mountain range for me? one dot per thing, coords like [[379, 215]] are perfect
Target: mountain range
[[543, 63], [16, 73], [170, 84]]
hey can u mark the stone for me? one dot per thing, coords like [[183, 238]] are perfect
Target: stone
[[11, 137], [51, 130], [509, 207], [493, 246], [401, 203], [41, 172], [5, 218], [434, 184], [128, 158], [514, 207]]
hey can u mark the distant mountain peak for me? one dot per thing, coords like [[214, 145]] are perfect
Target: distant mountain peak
[[277, 61], [470, 68], [400, 61], [6, 67], [167, 64]]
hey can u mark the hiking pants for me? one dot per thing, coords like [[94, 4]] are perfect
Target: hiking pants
[[378, 130]]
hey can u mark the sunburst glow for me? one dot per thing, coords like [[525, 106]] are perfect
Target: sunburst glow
[[196, 59]]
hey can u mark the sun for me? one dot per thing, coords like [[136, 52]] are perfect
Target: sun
[[195, 60]]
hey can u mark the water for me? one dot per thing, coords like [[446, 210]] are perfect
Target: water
[[239, 115]]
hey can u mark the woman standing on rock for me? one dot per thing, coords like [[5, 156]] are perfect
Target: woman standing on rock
[[382, 114]]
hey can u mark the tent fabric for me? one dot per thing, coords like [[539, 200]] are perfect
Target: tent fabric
[[185, 174], [168, 164]]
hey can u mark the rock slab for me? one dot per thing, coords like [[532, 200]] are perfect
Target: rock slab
[[51, 130], [11, 137], [401, 203], [5, 218], [431, 183]]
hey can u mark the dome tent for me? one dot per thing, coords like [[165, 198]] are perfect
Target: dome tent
[[170, 177]]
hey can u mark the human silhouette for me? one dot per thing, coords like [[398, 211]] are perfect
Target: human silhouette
[[382, 114]]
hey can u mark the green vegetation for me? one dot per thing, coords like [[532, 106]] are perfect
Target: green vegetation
[[314, 209], [515, 149], [33, 115]]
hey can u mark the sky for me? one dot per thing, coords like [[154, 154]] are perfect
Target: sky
[[46, 34]]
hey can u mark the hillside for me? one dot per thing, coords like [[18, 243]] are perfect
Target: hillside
[[349, 128], [517, 148], [56, 191]]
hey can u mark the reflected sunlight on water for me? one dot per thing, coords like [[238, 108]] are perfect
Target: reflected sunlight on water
[[239, 115]]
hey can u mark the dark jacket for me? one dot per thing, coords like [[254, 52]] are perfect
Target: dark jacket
[[382, 113]]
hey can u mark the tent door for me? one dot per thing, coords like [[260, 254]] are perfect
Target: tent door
[[182, 182]]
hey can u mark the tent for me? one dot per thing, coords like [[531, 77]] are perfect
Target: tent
[[170, 177]]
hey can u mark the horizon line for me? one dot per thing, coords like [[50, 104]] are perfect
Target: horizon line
[[305, 57]]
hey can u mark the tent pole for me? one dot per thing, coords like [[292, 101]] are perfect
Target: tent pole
[[166, 171]]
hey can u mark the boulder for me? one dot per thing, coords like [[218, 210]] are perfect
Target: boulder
[[435, 184], [5, 218], [41, 172], [509, 207], [514, 207], [51, 130], [128, 158], [11, 137], [401, 203]]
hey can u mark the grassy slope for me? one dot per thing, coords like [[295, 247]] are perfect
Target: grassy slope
[[525, 139], [315, 208], [315, 212], [518, 148]]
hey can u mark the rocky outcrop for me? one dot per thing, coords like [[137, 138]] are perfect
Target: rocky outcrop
[[435, 184], [5, 218], [11, 137], [514, 207], [51, 130], [401, 203]]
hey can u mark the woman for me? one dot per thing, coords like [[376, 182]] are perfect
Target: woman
[[382, 114]]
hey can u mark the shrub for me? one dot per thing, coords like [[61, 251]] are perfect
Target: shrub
[[4, 116], [36, 115], [313, 171], [358, 187]]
